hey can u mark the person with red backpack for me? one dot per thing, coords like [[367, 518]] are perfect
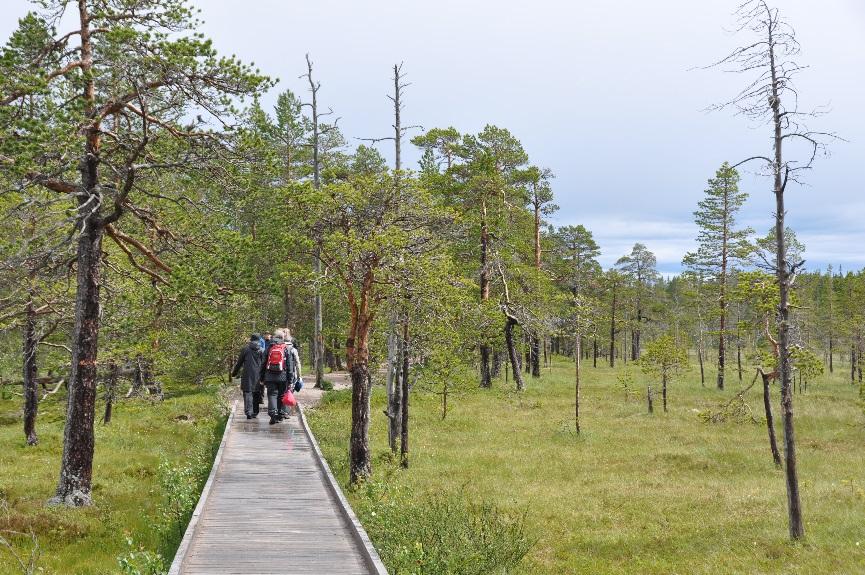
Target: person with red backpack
[[277, 367]]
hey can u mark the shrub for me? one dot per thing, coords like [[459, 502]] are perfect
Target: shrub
[[445, 533]]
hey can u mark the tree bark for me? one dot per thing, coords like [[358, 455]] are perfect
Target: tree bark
[[613, 330], [797, 529], [664, 390], [486, 380], [577, 384], [110, 388], [31, 391], [403, 444], [512, 353], [700, 358], [536, 355], [76, 467], [360, 465], [497, 362], [317, 338], [770, 422], [392, 386]]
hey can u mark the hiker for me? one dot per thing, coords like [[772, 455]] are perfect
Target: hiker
[[250, 360], [291, 375], [295, 379], [264, 348], [275, 372]]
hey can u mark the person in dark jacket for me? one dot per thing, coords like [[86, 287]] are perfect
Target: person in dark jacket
[[250, 360], [259, 394], [275, 371]]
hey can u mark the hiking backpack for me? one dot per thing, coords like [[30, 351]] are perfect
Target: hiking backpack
[[276, 358]]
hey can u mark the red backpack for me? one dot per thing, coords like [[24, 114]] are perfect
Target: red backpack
[[276, 358]]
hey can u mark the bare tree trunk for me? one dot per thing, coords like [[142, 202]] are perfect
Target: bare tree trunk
[[577, 383], [721, 347], [700, 358], [76, 468], [403, 444], [286, 306], [770, 422], [794, 506], [392, 386], [31, 390], [649, 399], [497, 362], [486, 380], [613, 330], [110, 389], [595, 352], [512, 353], [664, 390], [739, 345], [317, 338], [536, 355], [360, 465]]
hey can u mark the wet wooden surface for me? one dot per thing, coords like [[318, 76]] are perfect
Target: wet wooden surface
[[269, 510]]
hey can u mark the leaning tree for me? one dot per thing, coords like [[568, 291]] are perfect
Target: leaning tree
[[134, 94]]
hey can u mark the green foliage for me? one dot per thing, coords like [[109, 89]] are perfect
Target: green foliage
[[139, 561], [634, 494], [625, 379], [664, 358], [128, 453], [720, 243], [180, 486], [808, 363], [444, 533]]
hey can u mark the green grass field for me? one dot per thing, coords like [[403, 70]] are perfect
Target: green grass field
[[634, 493], [126, 473]]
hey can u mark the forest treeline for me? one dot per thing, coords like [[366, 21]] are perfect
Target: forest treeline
[[156, 213]]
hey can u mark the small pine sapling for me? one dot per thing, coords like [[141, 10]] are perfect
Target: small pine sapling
[[664, 359]]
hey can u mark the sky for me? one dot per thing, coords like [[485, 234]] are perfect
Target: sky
[[611, 96]]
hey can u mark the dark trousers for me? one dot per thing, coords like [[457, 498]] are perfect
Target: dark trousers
[[273, 397], [283, 386], [248, 404], [256, 399]]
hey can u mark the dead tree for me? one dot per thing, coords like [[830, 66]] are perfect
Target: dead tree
[[397, 349], [771, 98], [317, 132]]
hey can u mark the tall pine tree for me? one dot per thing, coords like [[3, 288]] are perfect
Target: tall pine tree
[[720, 244]]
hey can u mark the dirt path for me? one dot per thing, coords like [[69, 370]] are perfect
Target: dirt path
[[310, 396]]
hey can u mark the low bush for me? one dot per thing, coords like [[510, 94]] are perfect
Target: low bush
[[444, 533]]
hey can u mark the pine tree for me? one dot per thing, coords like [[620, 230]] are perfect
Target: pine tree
[[720, 244]]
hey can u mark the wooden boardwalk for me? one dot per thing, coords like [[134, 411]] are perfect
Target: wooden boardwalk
[[271, 506]]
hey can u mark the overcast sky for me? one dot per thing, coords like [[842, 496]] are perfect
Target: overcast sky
[[603, 93]]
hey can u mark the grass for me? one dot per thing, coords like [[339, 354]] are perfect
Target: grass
[[126, 488], [633, 493]]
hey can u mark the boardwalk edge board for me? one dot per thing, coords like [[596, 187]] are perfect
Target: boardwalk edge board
[[183, 548], [371, 556]]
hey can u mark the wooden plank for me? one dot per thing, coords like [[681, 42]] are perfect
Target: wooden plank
[[269, 507]]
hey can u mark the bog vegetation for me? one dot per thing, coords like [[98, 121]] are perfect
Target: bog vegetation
[[156, 212]]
